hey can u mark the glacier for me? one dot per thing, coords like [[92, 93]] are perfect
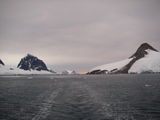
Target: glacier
[[149, 63]]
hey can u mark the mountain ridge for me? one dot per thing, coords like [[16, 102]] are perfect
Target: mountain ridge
[[141, 51]]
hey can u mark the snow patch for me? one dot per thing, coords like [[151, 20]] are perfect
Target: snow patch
[[111, 66]]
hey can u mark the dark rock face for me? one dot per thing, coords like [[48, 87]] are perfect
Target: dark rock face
[[140, 53], [1, 62], [31, 62]]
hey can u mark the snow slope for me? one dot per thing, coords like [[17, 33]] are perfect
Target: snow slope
[[16, 71], [149, 63], [112, 66]]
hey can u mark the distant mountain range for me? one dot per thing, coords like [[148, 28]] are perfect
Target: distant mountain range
[[145, 60]]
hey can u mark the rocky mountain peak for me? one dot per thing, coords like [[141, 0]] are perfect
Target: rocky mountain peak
[[31, 62], [141, 51]]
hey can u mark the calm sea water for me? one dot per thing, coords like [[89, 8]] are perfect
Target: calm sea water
[[80, 97]]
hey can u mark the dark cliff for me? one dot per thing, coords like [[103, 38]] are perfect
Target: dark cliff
[[1, 62]]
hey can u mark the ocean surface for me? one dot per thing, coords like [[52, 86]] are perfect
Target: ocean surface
[[80, 97]]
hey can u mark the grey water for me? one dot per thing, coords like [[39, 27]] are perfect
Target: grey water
[[80, 97]]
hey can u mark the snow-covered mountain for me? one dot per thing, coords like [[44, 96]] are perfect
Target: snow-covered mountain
[[5, 70], [68, 72], [145, 60], [31, 62], [29, 65]]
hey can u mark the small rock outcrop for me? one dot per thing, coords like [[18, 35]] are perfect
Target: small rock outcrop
[[31, 62]]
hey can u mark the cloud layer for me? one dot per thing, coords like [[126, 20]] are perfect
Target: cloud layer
[[77, 34]]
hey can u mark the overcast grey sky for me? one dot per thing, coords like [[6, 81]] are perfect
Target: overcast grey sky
[[77, 34]]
